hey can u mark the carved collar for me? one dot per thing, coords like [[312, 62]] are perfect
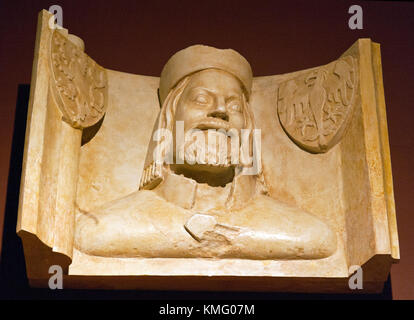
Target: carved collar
[[202, 198]]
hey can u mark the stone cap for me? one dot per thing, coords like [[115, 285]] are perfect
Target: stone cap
[[199, 57]]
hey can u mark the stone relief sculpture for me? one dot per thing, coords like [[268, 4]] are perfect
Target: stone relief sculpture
[[315, 109], [206, 177], [80, 82], [204, 210]]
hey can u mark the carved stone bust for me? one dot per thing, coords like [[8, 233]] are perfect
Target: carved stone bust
[[206, 178], [202, 209]]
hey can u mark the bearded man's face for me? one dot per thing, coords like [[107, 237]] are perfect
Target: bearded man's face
[[212, 99]]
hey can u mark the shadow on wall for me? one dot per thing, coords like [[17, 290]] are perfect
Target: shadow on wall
[[13, 280]]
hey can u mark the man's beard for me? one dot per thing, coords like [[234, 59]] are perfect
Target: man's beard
[[208, 148]]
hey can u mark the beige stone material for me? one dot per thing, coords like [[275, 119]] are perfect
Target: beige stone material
[[197, 58], [101, 196]]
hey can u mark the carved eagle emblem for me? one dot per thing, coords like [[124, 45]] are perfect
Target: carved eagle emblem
[[315, 108], [79, 83]]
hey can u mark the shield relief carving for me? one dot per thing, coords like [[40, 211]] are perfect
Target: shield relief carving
[[315, 108]]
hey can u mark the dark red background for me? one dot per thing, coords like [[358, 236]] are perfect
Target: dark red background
[[275, 36]]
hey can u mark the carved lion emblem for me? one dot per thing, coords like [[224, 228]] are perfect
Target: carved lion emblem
[[315, 108]]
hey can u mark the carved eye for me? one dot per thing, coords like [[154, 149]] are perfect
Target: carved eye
[[235, 106], [201, 99]]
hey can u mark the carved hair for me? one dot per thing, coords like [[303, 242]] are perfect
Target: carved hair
[[153, 172]]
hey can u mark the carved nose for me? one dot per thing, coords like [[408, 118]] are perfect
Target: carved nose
[[219, 114]]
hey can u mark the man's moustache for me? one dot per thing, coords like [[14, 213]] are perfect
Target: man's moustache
[[212, 123]]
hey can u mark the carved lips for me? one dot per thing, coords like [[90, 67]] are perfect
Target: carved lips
[[213, 123]]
